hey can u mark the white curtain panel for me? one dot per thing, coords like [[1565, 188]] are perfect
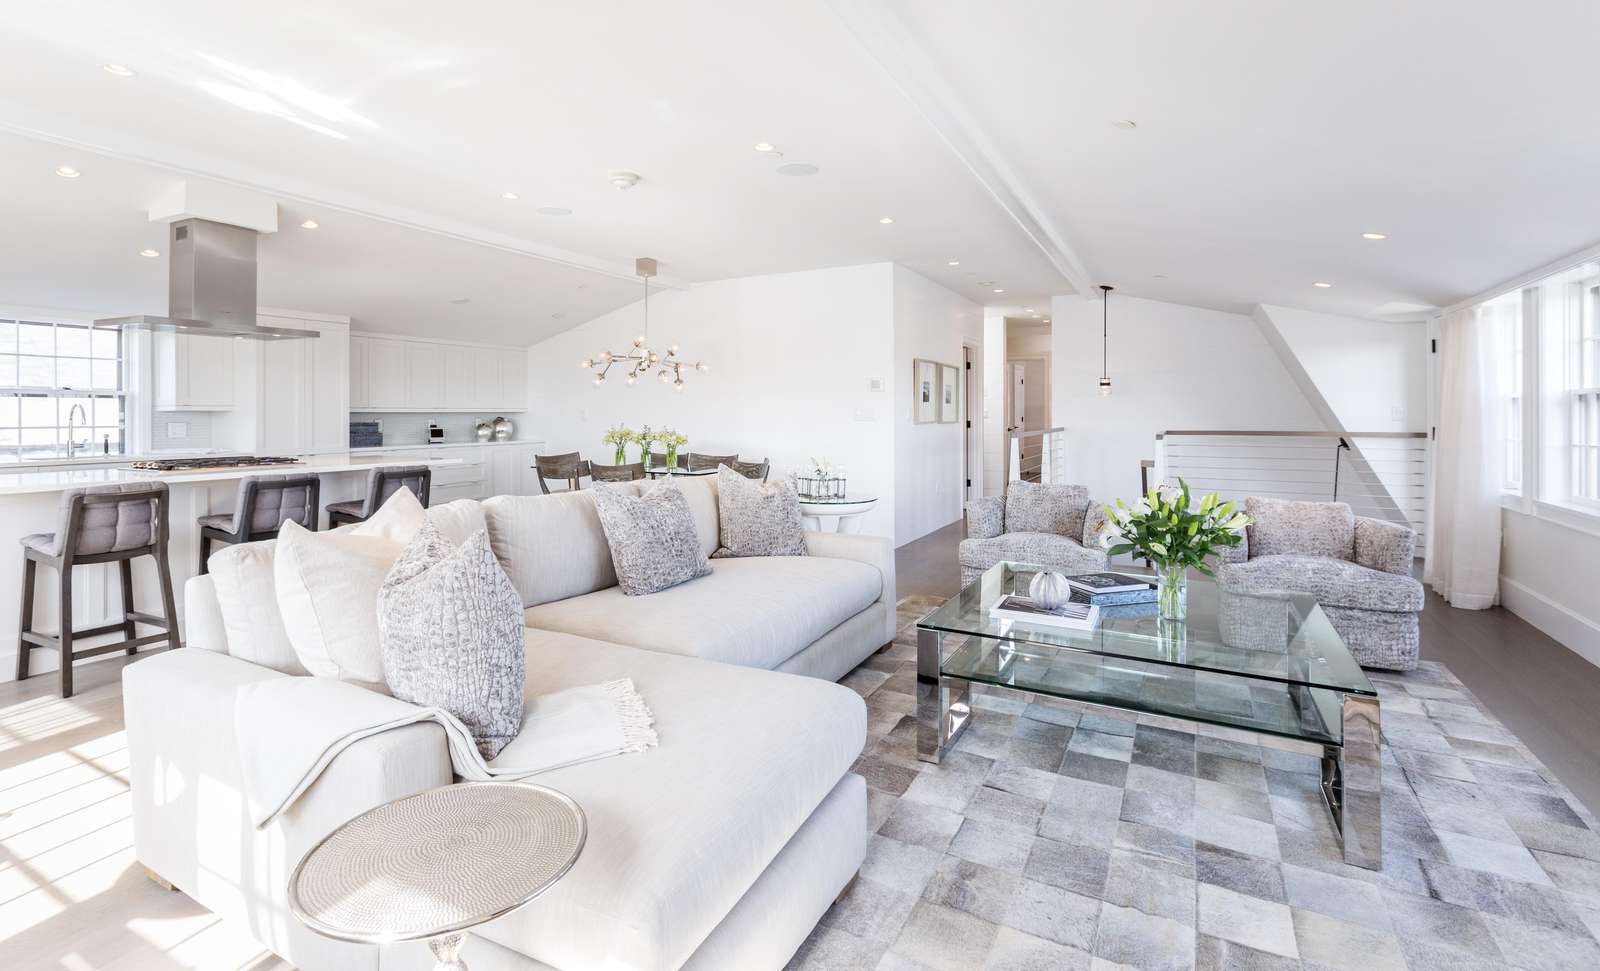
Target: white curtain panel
[[1463, 562]]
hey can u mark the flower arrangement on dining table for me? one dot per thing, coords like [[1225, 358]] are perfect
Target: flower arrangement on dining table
[[1172, 531], [620, 437]]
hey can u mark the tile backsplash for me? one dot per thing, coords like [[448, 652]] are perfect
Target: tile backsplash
[[400, 428], [197, 430]]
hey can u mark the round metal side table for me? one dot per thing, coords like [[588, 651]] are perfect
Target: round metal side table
[[434, 865]]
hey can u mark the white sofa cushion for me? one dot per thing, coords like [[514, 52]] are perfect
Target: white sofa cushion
[[552, 547], [756, 611], [678, 834], [243, 574], [327, 588]]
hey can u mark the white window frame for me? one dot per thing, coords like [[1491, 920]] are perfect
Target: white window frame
[[17, 452], [1581, 394]]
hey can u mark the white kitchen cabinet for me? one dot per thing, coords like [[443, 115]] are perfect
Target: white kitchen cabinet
[[193, 373], [511, 469], [408, 374], [425, 376], [304, 401], [513, 389], [460, 376], [388, 374], [358, 373]]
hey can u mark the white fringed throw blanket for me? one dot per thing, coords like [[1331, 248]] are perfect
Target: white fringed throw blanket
[[289, 729]]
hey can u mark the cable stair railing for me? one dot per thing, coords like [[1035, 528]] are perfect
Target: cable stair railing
[[1382, 475]]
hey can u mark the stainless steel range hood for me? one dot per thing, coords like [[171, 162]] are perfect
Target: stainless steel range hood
[[211, 286]]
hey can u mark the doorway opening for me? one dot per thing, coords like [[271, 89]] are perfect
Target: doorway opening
[[1027, 397], [972, 420]]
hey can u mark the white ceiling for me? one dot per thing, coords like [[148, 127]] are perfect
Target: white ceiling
[[1270, 136], [398, 112]]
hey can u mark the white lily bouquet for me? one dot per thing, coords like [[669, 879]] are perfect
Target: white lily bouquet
[[1170, 530], [619, 437]]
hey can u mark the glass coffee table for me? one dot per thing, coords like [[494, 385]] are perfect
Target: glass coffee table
[[1267, 663]]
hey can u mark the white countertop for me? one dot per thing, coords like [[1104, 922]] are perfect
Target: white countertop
[[417, 445], [22, 483]]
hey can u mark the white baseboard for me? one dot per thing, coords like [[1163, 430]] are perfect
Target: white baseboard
[[1575, 632]]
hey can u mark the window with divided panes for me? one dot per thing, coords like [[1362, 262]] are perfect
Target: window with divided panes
[[60, 382]]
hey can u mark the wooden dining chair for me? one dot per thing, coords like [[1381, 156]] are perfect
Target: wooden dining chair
[[616, 473], [658, 460], [568, 467], [698, 461], [751, 470]]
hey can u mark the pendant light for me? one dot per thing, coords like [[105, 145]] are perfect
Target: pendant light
[[639, 360], [1105, 370]]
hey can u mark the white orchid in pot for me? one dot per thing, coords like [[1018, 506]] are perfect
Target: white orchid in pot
[[1170, 530]]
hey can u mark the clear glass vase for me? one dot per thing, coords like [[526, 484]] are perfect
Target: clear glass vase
[[1172, 591], [621, 458], [672, 459]]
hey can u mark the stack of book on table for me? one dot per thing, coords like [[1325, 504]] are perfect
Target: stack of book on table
[[1090, 592]]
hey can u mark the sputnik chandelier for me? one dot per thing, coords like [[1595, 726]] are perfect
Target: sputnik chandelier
[[639, 360]]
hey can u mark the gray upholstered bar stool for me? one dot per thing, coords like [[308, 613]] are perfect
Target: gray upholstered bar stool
[[381, 484], [99, 524], [265, 503]]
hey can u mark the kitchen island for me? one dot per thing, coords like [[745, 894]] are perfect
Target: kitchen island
[[29, 503]]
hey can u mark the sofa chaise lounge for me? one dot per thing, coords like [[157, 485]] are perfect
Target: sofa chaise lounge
[[719, 848]]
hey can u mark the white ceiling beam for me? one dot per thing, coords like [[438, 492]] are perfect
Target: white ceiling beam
[[19, 120], [889, 43]]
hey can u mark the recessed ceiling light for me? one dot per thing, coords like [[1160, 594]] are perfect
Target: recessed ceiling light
[[798, 169], [1125, 123], [765, 147], [1028, 309], [1374, 235], [553, 211], [886, 220], [309, 224], [68, 172], [117, 69], [953, 263], [1324, 286], [512, 196], [1047, 320], [150, 253], [999, 290]]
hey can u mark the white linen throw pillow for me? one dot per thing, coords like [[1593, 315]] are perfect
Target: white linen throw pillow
[[327, 588], [450, 625]]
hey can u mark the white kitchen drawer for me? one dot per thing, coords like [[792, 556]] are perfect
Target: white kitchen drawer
[[472, 453], [457, 474], [408, 456], [439, 494]]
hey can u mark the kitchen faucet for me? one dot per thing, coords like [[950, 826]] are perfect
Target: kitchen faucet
[[72, 437]]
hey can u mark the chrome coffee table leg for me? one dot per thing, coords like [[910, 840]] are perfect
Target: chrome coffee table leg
[[1352, 783], [943, 709]]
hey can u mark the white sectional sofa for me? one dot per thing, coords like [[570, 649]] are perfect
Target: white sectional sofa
[[719, 848]]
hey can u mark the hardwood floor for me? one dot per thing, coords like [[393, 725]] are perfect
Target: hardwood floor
[[71, 894], [1547, 695]]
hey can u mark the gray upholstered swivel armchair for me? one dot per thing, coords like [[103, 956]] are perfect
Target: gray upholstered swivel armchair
[[1359, 570], [1050, 525]]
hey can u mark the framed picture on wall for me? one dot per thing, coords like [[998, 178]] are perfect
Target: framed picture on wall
[[949, 392], [925, 391]]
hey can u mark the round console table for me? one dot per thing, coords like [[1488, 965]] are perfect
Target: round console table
[[434, 865], [847, 512]]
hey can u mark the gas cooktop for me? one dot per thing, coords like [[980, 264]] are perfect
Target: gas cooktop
[[199, 462]]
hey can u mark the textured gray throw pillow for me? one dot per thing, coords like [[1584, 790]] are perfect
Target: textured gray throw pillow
[[758, 518], [1033, 507], [450, 626], [652, 537]]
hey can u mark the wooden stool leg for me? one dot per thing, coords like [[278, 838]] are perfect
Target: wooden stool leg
[[169, 610], [66, 630], [129, 628], [29, 567]]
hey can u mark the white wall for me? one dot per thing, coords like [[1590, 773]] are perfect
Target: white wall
[[994, 403], [1373, 376], [791, 359], [930, 323], [1547, 577], [1172, 367], [1027, 339]]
